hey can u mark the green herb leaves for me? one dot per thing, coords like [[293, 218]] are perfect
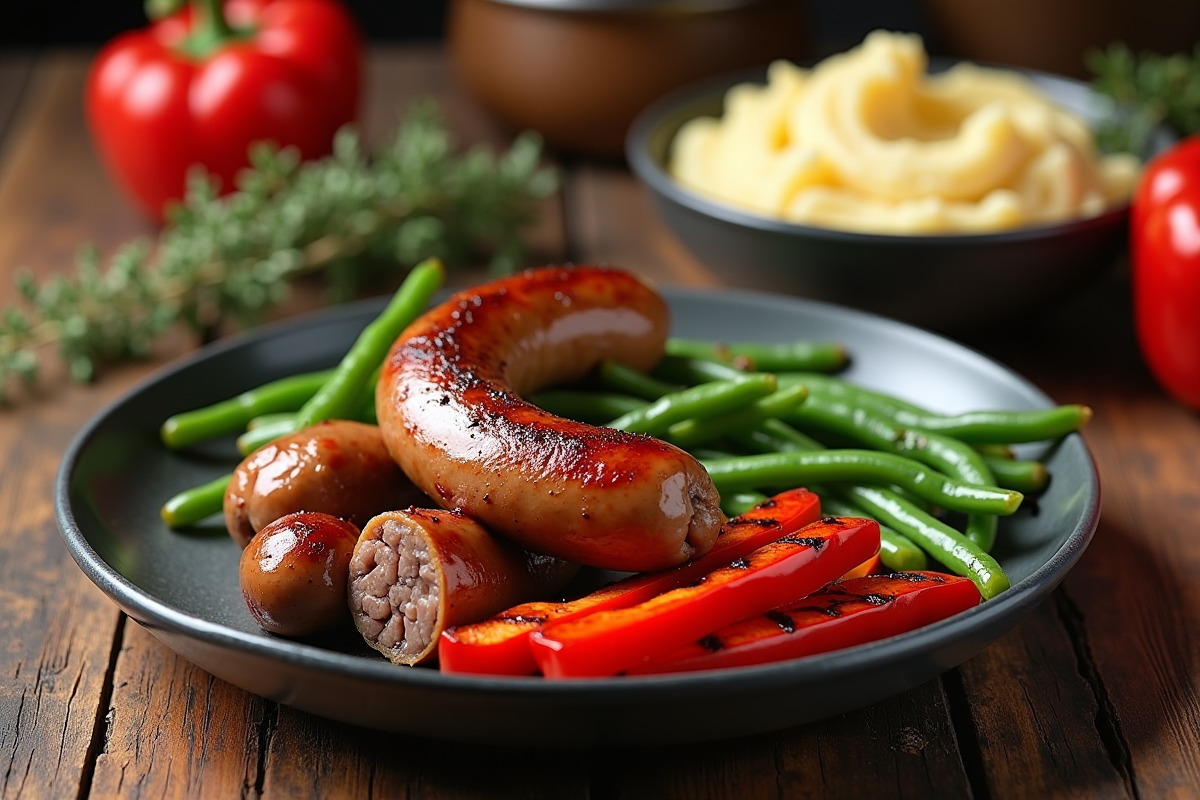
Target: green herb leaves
[[1149, 90], [352, 217]]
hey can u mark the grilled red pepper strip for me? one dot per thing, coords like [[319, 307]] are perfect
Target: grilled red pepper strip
[[872, 566], [840, 615], [795, 566], [498, 646]]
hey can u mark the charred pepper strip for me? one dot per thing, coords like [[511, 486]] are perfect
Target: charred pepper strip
[[895, 551], [499, 646], [840, 615], [793, 567], [741, 502]]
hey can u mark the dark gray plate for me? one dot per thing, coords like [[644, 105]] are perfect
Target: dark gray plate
[[183, 587]]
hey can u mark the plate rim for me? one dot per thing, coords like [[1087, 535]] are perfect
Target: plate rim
[[157, 614]]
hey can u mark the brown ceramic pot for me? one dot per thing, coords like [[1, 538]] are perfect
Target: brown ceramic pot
[[1056, 35], [579, 71]]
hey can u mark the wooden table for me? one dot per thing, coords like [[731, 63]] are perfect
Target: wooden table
[[1094, 695]]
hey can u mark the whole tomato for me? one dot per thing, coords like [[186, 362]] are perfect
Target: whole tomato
[[201, 85], [1165, 253]]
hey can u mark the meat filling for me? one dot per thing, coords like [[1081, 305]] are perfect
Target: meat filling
[[394, 591]]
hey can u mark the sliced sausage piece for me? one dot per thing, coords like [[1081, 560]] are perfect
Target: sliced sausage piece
[[449, 405], [294, 573], [417, 572], [337, 467]]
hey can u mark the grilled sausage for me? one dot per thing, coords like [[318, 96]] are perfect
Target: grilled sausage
[[294, 573], [449, 406], [415, 573], [338, 467]]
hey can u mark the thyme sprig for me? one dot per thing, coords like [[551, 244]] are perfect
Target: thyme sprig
[[347, 216], [1149, 90]]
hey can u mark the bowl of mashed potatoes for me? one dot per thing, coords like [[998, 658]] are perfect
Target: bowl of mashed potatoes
[[944, 194]]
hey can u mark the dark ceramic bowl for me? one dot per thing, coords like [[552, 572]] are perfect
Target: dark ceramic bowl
[[943, 282]]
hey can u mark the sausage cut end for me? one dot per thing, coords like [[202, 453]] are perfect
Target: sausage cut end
[[394, 591]]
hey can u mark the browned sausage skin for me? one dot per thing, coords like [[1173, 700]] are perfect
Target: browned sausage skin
[[337, 467], [294, 573], [449, 406], [415, 573]]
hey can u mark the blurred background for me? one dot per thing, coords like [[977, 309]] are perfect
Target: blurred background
[[834, 24], [1044, 34]]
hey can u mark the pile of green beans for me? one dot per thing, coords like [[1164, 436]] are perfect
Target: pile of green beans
[[294, 403]]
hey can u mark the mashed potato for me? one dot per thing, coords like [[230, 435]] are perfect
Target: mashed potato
[[867, 141]]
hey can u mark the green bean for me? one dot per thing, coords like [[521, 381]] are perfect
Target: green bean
[[741, 502], [692, 432], [691, 371], [776, 436], [786, 356], [622, 378], [706, 400], [973, 427], [269, 427], [195, 504], [896, 551], [954, 458], [266, 433], [1024, 476], [860, 466], [995, 450], [956, 552], [232, 415], [269, 419], [598, 408], [342, 395]]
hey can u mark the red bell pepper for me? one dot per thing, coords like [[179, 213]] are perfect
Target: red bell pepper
[[1165, 254], [840, 615], [795, 566], [498, 646], [871, 566], [201, 85]]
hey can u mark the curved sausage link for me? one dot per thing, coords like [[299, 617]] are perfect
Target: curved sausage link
[[416, 572], [449, 406], [336, 467]]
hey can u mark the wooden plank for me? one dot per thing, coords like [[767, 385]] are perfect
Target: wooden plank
[[1035, 716], [176, 731], [56, 196], [398, 77], [900, 748], [58, 629], [611, 219], [1131, 607], [312, 757]]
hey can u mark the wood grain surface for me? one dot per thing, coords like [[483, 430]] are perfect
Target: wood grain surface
[[1094, 695]]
